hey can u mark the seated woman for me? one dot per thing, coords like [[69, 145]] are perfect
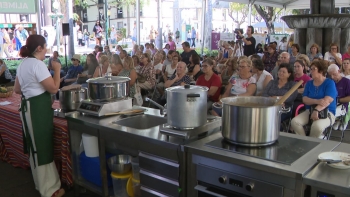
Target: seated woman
[[261, 76], [103, 68], [179, 78], [147, 74], [170, 69], [90, 66], [306, 62], [242, 83], [115, 64], [230, 69], [5, 75], [333, 55], [226, 54], [194, 68], [320, 92], [270, 58], [345, 69], [314, 53], [280, 86], [299, 74], [210, 80], [129, 71]]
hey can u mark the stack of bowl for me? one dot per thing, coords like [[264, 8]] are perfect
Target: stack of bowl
[[120, 166]]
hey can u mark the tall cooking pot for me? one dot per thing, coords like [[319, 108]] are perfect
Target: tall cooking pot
[[70, 99], [251, 121], [187, 106], [108, 88]]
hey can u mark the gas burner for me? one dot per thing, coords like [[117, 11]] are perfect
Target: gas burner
[[285, 150], [188, 133], [61, 113], [249, 145]]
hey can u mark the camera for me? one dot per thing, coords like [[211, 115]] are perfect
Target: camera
[[236, 32]]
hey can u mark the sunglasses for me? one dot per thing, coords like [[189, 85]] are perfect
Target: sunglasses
[[74, 59]]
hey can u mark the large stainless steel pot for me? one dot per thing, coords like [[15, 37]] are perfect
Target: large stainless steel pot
[[70, 99], [108, 88], [251, 121], [187, 106]]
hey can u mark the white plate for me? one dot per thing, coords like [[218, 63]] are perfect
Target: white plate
[[336, 156]]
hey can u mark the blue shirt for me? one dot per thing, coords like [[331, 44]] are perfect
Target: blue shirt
[[327, 88], [73, 72], [193, 33]]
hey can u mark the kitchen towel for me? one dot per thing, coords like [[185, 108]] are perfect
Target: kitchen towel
[[90, 144]]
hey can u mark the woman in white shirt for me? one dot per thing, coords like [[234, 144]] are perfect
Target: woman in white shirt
[[283, 45], [36, 85], [261, 76], [333, 55]]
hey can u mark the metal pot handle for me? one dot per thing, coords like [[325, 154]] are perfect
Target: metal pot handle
[[285, 110], [108, 86], [217, 105], [193, 95]]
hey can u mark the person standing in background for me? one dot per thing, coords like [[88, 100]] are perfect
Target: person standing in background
[[98, 32], [86, 38], [283, 45], [134, 35], [153, 34], [1, 43], [7, 42], [24, 34], [177, 35], [249, 41], [171, 44], [17, 35], [113, 35], [193, 37], [189, 36]]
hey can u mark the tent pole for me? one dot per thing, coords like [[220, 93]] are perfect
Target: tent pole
[[250, 14], [284, 23], [204, 6]]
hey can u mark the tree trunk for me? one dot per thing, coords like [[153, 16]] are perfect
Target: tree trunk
[[208, 24], [268, 15]]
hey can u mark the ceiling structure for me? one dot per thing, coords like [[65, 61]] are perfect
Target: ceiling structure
[[289, 4]]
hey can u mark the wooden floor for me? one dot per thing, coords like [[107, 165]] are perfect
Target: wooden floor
[[16, 182]]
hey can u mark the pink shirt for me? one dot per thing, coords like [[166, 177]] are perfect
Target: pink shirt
[[345, 55], [304, 77], [172, 45]]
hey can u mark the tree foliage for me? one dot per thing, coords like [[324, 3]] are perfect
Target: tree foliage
[[238, 12], [269, 14]]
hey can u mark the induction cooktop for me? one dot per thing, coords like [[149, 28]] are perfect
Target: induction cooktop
[[286, 150]]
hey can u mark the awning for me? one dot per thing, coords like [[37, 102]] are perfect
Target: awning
[[291, 4], [263, 25], [6, 26]]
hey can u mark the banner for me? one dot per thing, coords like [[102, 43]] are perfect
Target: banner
[[17, 6], [277, 37], [260, 38], [216, 37]]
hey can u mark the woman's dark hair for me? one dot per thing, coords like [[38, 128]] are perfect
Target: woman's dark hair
[[257, 46], [93, 61], [138, 59], [178, 57], [32, 43], [170, 52], [99, 23], [301, 62], [100, 49], [258, 64], [208, 61], [289, 70], [321, 65], [296, 46], [255, 57], [195, 59]]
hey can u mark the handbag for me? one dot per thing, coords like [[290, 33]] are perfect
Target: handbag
[[141, 78], [138, 96], [323, 114]]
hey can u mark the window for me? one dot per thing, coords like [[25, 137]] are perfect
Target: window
[[119, 25]]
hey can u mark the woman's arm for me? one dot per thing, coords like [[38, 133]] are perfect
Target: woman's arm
[[165, 76], [196, 69], [52, 84], [96, 73], [3, 69], [17, 87], [228, 90], [133, 77], [266, 90], [170, 82], [212, 90], [337, 59], [251, 89], [267, 79]]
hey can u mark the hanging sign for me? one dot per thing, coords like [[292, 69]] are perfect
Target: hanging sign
[[17, 6]]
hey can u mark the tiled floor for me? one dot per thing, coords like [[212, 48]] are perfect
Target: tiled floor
[[16, 182]]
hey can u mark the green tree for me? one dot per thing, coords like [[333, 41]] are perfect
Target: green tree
[[269, 14], [238, 12]]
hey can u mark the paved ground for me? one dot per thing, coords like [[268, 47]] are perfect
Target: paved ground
[[16, 182]]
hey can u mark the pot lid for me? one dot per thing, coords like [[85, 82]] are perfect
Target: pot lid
[[109, 79], [187, 88]]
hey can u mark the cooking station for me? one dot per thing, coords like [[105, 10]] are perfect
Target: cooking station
[[218, 168]]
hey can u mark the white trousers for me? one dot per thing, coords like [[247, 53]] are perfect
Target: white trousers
[[317, 126], [46, 178]]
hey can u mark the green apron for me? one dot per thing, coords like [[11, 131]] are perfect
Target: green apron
[[41, 114]]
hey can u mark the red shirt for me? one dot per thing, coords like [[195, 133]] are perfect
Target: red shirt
[[172, 45], [213, 81], [345, 56]]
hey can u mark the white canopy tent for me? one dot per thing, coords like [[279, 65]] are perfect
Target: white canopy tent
[[288, 4]]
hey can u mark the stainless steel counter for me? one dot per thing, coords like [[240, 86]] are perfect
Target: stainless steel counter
[[329, 179], [287, 176]]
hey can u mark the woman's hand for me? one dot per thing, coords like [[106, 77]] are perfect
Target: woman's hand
[[56, 66], [314, 115], [323, 102]]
